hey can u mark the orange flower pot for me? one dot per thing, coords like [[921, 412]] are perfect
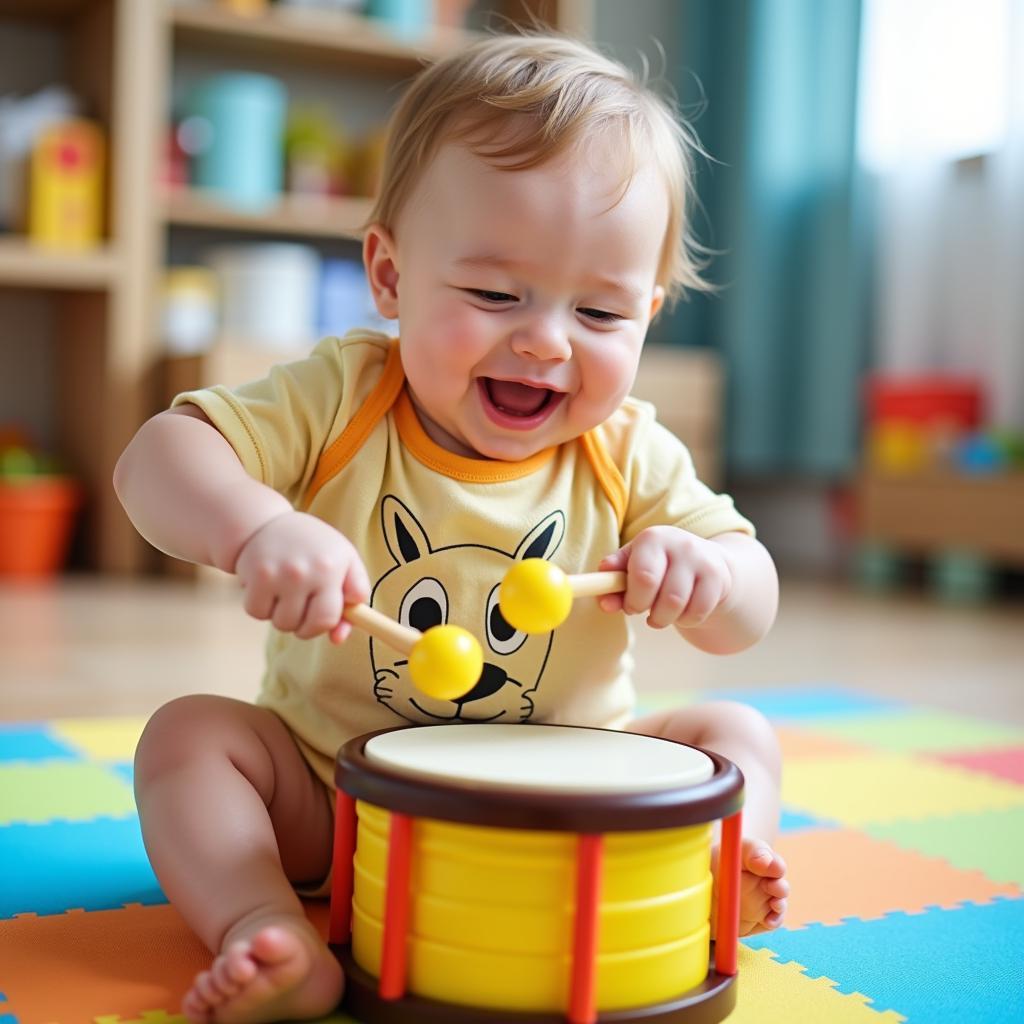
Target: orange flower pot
[[37, 516]]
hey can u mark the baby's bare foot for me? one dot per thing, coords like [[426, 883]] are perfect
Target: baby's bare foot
[[283, 971], [763, 887]]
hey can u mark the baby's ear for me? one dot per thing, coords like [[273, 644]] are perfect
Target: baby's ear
[[657, 301], [379, 259]]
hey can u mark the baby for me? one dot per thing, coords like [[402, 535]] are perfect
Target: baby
[[531, 223]]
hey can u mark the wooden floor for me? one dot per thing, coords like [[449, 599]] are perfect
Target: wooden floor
[[88, 647]]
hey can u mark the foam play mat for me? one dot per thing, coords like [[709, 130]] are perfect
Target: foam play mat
[[903, 831]]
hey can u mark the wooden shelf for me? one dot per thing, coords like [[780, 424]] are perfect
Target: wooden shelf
[[23, 264], [306, 216], [932, 512], [303, 34]]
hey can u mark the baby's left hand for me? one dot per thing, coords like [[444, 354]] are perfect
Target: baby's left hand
[[676, 576]]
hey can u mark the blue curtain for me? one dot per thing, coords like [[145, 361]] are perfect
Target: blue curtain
[[783, 205]]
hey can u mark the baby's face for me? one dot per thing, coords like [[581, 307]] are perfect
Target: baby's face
[[524, 296]]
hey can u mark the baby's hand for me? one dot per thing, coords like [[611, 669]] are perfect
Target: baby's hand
[[676, 576], [299, 572]]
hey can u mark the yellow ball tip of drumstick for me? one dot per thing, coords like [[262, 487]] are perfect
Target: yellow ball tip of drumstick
[[446, 662], [535, 596]]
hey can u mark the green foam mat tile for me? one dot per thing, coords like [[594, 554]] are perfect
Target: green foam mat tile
[[917, 730], [36, 792], [989, 841]]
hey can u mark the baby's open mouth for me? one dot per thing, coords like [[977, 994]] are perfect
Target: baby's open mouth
[[515, 399]]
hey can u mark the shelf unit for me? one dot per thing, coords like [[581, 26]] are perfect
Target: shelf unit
[[934, 512], [307, 217], [310, 34], [120, 57], [28, 266]]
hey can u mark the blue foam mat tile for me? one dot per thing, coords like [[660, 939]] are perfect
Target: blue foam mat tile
[[807, 701], [32, 743], [797, 821], [125, 770], [960, 966], [65, 865]]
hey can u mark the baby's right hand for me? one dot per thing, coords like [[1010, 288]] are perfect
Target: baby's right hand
[[299, 572]]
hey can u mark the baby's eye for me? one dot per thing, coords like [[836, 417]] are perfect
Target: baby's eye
[[489, 296], [601, 316]]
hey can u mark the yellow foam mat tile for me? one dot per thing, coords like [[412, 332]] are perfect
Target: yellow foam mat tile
[[103, 739], [861, 789], [145, 1017], [774, 993]]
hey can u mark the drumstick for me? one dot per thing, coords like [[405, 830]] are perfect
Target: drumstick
[[596, 584], [381, 627], [444, 662], [536, 596]]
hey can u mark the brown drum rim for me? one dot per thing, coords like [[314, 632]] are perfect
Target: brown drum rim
[[719, 797]]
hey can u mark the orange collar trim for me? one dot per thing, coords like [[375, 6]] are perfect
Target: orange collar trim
[[458, 467]]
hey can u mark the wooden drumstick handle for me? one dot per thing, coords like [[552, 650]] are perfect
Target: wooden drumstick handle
[[394, 634], [597, 584]]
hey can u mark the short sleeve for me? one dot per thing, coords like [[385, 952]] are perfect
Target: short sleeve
[[661, 483], [280, 425]]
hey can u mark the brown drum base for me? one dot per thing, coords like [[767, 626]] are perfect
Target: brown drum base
[[708, 1003]]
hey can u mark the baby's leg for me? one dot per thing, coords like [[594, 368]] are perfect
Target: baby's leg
[[743, 735], [232, 816]]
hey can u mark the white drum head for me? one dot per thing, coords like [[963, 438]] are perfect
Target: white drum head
[[550, 758]]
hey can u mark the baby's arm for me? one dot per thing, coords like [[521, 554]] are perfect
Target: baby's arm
[[721, 593], [188, 494]]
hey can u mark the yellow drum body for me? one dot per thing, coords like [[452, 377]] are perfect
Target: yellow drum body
[[492, 913]]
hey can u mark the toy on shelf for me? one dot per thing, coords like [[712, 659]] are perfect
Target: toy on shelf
[[540, 873], [66, 186], [317, 155], [444, 662], [536, 596], [915, 422], [38, 505], [235, 127]]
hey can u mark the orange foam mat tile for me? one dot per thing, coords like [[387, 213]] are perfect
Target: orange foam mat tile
[[797, 742], [126, 964], [774, 993], [841, 873], [70, 968]]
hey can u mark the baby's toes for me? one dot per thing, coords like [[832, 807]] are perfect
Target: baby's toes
[[239, 966], [776, 913], [207, 987], [195, 1007], [760, 859], [223, 976]]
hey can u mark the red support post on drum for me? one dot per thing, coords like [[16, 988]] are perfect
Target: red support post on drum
[[727, 928], [394, 951], [342, 870], [583, 981]]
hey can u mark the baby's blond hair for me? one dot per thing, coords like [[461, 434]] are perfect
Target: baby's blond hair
[[558, 92]]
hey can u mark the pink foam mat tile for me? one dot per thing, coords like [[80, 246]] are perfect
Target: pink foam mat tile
[[1006, 763]]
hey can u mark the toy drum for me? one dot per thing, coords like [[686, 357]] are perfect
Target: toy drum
[[533, 874]]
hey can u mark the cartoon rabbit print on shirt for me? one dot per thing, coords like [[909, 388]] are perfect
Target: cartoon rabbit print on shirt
[[426, 588]]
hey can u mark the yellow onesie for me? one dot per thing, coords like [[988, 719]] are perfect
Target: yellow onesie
[[337, 435]]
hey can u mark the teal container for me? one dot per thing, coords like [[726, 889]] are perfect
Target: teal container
[[407, 19], [242, 158]]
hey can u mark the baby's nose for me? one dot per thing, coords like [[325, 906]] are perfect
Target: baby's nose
[[544, 338]]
